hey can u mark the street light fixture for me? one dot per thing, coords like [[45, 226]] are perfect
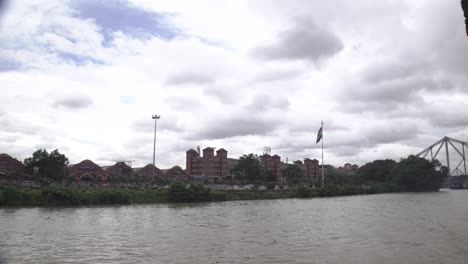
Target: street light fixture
[[155, 117]]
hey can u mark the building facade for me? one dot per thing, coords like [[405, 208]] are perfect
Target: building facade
[[311, 169], [210, 167], [176, 173], [86, 170], [10, 167], [348, 169], [119, 169], [149, 171], [273, 165]]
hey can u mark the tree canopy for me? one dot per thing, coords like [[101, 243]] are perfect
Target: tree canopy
[[418, 174], [250, 170], [293, 174], [377, 171], [51, 165]]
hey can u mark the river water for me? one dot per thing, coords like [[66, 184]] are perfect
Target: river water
[[384, 228]]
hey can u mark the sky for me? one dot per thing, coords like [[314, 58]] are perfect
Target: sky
[[388, 78]]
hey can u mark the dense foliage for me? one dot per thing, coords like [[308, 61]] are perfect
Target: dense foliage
[[293, 174], [411, 174], [249, 170], [64, 196], [181, 193], [377, 171], [51, 165], [419, 174], [341, 190]]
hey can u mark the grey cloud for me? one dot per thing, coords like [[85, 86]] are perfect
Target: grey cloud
[[271, 76], [74, 102], [147, 125], [389, 96], [188, 78], [299, 126], [305, 41], [352, 142], [447, 115], [263, 102], [246, 125], [13, 125], [346, 151], [225, 95], [401, 90], [3, 7], [380, 72], [183, 102], [356, 105], [392, 132]]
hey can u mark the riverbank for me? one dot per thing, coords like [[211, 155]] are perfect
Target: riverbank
[[67, 196]]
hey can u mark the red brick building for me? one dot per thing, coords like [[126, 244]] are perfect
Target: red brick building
[[176, 173], [209, 167], [348, 169], [273, 164], [86, 170], [148, 171], [10, 167], [311, 169], [119, 169]]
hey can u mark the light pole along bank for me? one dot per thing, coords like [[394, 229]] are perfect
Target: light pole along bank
[[155, 117]]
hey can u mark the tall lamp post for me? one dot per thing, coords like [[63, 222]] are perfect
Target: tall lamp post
[[155, 117]]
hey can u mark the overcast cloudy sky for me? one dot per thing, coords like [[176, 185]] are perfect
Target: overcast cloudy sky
[[388, 78]]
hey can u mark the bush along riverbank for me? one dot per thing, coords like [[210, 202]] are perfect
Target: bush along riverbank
[[64, 196], [177, 192]]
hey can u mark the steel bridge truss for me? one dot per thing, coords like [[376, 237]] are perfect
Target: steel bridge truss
[[453, 143]]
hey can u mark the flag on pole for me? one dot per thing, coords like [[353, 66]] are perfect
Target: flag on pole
[[319, 135]]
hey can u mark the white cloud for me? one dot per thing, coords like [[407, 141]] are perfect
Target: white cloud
[[388, 78]]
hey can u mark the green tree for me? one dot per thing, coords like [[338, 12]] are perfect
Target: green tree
[[293, 174], [248, 168], [377, 171], [180, 192], [337, 178], [51, 165], [418, 174]]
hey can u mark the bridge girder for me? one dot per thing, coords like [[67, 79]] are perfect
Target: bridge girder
[[452, 142]]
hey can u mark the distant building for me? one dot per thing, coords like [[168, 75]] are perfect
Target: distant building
[[273, 164], [209, 167], [10, 167], [86, 170], [119, 169], [311, 169], [149, 171], [176, 173], [348, 169]]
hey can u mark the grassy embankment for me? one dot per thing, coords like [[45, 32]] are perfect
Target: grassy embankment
[[179, 192]]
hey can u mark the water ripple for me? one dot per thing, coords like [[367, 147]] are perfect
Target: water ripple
[[387, 228]]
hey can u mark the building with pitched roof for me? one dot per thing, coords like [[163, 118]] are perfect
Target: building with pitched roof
[[86, 170], [11, 167]]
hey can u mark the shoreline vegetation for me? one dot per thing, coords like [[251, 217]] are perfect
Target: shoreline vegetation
[[176, 193], [380, 176]]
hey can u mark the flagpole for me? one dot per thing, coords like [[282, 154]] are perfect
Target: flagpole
[[323, 168]]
